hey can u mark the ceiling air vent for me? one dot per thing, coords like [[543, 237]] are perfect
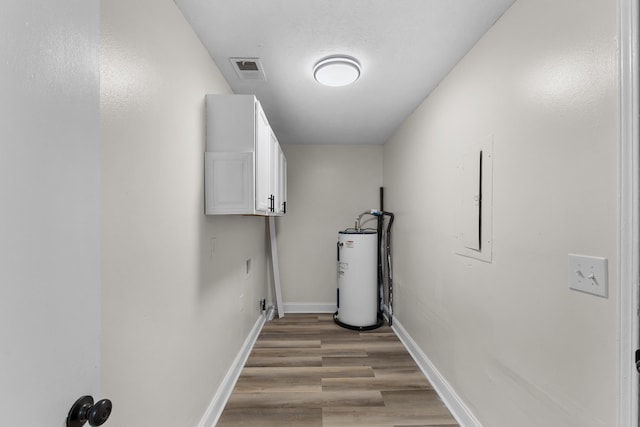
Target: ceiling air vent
[[248, 68]]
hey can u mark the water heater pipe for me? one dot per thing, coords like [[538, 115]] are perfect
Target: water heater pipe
[[358, 225]]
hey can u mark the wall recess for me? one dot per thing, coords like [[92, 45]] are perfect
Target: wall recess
[[475, 201]]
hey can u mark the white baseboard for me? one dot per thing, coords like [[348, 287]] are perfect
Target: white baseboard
[[303, 307], [213, 412], [458, 409]]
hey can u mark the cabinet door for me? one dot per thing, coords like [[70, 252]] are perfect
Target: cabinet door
[[282, 172], [228, 183], [263, 162], [275, 176]]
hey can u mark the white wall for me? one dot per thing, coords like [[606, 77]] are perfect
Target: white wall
[[49, 182], [328, 186], [173, 318], [514, 342]]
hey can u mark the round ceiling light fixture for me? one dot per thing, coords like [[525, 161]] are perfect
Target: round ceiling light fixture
[[337, 71]]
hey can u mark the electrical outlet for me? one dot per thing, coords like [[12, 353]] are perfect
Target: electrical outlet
[[242, 303], [588, 274]]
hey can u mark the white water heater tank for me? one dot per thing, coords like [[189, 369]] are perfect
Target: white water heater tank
[[357, 277]]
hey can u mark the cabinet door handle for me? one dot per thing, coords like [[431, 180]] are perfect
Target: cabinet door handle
[[284, 207]]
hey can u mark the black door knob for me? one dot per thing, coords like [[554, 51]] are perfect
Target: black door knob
[[99, 413], [85, 410]]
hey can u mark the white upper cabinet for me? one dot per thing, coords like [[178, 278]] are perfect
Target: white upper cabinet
[[243, 159]]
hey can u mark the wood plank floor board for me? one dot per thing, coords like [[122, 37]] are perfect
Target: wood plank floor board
[[395, 382], [412, 398], [280, 343], [274, 361], [383, 417], [318, 372], [265, 385], [317, 399], [272, 417], [351, 351], [306, 371], [386, 371], [384, 346], [375, 361]]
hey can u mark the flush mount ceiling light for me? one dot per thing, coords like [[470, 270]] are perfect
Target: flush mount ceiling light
[[337, 71]]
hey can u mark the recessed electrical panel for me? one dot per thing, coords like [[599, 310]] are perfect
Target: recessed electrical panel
[[475, 201]]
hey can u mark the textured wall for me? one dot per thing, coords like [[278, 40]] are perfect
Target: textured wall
[[514, 342], [329, 185], [176, 299]]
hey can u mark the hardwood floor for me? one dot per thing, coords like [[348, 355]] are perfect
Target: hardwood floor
[[306, 371]]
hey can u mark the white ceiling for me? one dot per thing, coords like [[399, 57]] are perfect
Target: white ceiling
[[405, 48]]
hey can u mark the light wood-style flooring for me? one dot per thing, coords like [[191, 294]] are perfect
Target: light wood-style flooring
[[305, 370]]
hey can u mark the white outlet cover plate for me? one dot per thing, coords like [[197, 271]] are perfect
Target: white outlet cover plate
[[588, 274]]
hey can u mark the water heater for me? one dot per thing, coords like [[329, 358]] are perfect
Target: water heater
[[357, 277]]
